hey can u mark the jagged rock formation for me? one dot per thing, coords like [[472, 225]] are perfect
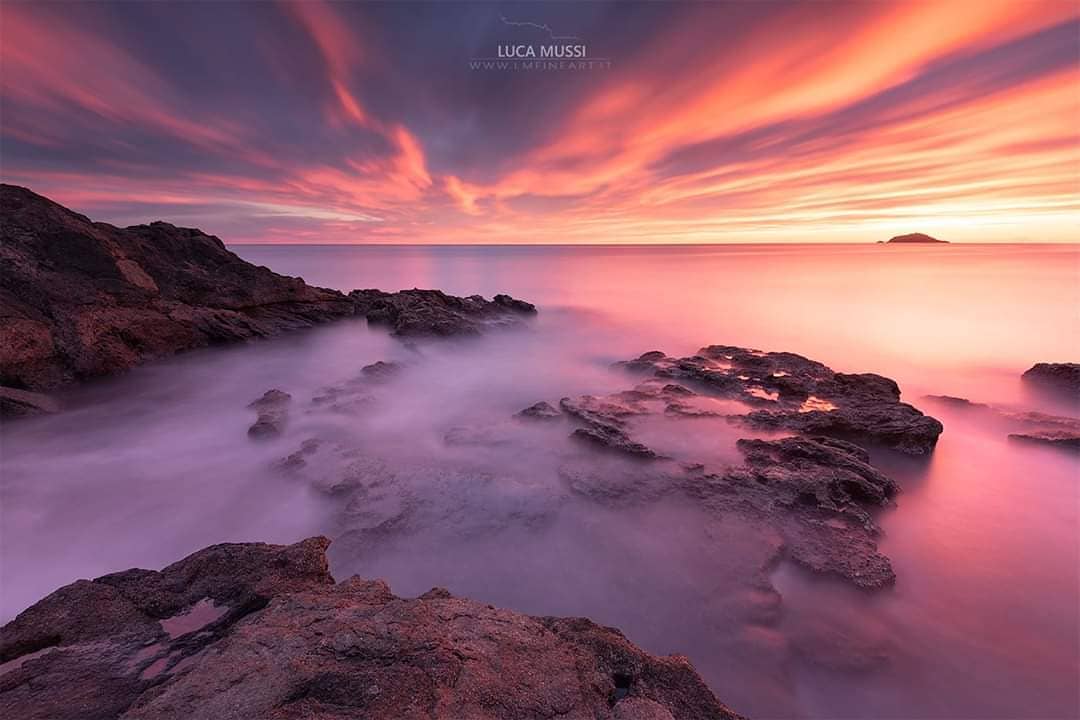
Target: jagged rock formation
[[816, 488], [239, 631], [433, 312], [80, 299], [801, 395]]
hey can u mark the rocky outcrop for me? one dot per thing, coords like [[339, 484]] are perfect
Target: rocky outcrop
[[791, 392], [433, 312], [80, 299], [915, 238], [1060, 378], [241, 631], [817, 488]]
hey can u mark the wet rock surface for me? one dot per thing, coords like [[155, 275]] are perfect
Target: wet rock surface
[[433, 312], [797, 394], [817, 489], [254, 630]]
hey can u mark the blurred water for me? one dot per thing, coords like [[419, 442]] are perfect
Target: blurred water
[[983, 622]]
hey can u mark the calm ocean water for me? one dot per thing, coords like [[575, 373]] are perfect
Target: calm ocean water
[[983, 621]]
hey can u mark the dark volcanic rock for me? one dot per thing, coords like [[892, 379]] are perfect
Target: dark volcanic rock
[[817, 492], [915, 238], [272, 410], [79, 299], [1061, 378], [816, 489], [433, 312], [261, 631], [795, 393]]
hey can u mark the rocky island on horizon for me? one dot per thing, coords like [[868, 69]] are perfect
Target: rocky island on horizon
[[912, 238]]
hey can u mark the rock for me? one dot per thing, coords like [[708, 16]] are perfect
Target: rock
[[20, 403], [1061, 439], [380, 371], [795, 393], [816, 489], [263, 631], [1026, 426], [1062, 378], [794, 467], [613, 438], [539, 411], [915, 238], [272, 409], [604, 422], [80, 299], [816, 492], [432, 312]]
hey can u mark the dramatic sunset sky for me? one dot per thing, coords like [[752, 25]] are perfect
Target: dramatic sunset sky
[[719, 122]]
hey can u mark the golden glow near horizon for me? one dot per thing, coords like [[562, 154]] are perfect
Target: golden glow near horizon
[[823, 123]]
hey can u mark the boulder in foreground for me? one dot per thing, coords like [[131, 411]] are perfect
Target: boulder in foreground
[[240, 631]]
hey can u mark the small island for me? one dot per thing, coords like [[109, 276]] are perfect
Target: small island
[[914, 238]]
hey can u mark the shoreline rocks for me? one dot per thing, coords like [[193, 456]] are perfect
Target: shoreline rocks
[[794, 393], [81, 299], [255, 630], [816, 487]]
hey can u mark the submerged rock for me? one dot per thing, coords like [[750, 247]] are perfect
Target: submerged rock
[[540, 411], [380, 371], [1062, 378], [262, 631], [81, 299], [272, 409], [433, 312], [1061, 439], [1025, 426], [20, 403]]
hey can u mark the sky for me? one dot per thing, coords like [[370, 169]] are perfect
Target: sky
[[318, 122]]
